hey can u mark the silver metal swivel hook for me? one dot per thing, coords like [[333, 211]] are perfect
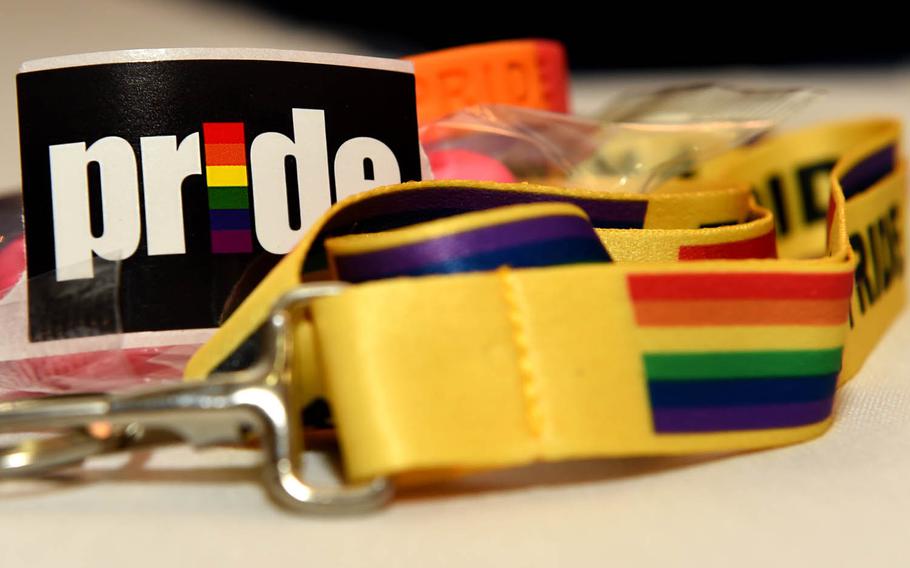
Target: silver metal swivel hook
[[234, 407]]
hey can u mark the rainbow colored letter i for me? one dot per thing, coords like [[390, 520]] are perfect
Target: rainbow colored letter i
[[226, 177]]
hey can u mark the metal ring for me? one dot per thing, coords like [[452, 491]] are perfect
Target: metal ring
[[283, 431]]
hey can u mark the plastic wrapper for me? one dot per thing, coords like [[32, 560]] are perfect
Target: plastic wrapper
[[80, 364], [507, 143], [639, 141]]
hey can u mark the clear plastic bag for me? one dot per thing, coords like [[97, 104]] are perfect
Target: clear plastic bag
[[640, 140], [530, 144]]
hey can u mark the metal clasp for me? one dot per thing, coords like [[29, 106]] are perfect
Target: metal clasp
[[234, 407]]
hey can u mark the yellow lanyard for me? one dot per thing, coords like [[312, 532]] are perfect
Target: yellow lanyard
[[494, 325]]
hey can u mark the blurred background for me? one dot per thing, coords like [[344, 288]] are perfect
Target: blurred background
[[617, 35]]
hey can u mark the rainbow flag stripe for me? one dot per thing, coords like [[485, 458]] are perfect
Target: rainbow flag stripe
[[540, 241], [766, 386], [393, 210], [764, 246], [228, 191]]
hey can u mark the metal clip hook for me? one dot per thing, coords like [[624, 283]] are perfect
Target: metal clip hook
[[228, 408]]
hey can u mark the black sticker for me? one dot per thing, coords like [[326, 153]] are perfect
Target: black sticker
[[166, 183]]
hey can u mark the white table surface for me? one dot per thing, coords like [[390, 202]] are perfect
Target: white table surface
[[842, 500]]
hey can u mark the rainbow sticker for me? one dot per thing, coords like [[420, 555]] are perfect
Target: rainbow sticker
[[228, 191]]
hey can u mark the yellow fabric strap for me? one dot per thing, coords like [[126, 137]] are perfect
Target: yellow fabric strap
[[689, 341]]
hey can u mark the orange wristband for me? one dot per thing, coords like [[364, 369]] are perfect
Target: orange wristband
[[527, 73]]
